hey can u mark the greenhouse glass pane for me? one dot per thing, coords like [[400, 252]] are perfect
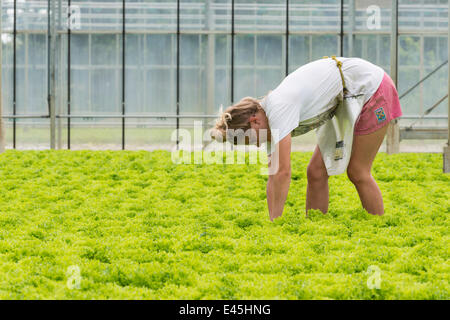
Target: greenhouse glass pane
[[192, 74], [261, 15], [80, 90], [61, 75], [96, 134], [323, 45], [299, 51], [96, 74], [410, 72], [259, 64], [195, 15], [99, 14], [31, 73], [161, 87], [222, 76], [202, 15], [434, 50], [7, 73], [149, 134], [150, 82], [374, 48], [31, 14], [305, 49], [7, 13], [151, 73], [423, 15], [147, 15], [96, 81], [33, 134], [311, 15]]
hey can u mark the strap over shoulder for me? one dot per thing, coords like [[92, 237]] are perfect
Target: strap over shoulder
[[339, 65]]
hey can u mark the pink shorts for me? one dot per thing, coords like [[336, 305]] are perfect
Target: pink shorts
[[381, 108]]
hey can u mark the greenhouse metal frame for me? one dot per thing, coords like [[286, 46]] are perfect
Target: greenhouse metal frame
[[286, 19]]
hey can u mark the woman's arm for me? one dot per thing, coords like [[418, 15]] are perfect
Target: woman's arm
[[279, 178]]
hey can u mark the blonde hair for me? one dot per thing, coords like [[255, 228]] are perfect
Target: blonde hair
[[236, 117]]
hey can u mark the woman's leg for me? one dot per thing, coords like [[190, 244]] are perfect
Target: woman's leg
[[317, 189], [364, 150]]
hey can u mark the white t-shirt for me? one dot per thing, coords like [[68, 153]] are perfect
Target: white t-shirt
[[313, 89]]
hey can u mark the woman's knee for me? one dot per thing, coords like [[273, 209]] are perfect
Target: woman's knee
[[316, 173], [358, 175]]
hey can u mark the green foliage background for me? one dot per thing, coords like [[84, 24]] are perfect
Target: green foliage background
[[141, 227]]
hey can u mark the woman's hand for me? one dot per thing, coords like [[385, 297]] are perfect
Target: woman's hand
[[279, 177]]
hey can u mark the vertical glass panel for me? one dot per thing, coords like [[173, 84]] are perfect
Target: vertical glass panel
[[96, 88], [80, 73], [7, 73], [79, 49], [61, 92], [161, 97], [299, 51], [434, 52], [204, 59], [134, 76], [204, 73], [7, 13], [304, 49], [150, 74], [259, 64], [222, 75], [107, 91], [31, 73], [192, 74], [96, 73], [244, 66], [410, 71], [374, 48], [80, 90], [106, 82], [323, 43]]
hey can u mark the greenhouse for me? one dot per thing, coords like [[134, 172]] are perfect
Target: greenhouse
[[127, 70], [123, 176]]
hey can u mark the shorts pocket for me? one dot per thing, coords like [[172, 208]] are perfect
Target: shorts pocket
[[375, 114]]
